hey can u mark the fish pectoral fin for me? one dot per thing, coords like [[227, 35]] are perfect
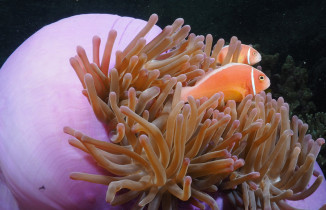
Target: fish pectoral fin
[[236, 94], [245, 92]]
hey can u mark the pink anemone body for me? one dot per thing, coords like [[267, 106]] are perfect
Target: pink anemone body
[[40, 94]]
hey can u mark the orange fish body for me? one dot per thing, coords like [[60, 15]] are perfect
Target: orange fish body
[[248, 55], [235, 80]]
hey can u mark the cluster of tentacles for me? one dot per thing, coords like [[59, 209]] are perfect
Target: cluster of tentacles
[[164, 149]]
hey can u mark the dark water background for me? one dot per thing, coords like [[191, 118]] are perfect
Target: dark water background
[[287, 27], [279, 28]]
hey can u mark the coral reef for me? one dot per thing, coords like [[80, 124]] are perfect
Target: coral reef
[[317, 128], [290, 83], [163, 148], [317, 83], [294, 84]]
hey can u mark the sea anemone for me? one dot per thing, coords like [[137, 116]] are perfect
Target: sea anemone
[[161, 149], [165, 148]]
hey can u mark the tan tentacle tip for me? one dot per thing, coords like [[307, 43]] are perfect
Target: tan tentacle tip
[[320, 141], [253, 186], [120, 133], [88, 78], [74, 175], [112, 33], [73, 132], [153, 17], [131, 90], [216, 96], [254, 175], [96, 39], [284, 108], [239, 163], [112, 96], [68, 130], [80, 50], [288, 132], [123, 109], [226, 153], [73, 61], [236, 123], [191, 98], [179, 21], [209, 36], [186, 161], [143, 140], [234, 38], [248, 97], [155, 89], [187, 180]]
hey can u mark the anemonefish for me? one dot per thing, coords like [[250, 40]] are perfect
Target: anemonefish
[[235, 80], [248, 55]]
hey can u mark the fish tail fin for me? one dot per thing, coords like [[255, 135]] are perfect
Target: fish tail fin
[[185, 92]]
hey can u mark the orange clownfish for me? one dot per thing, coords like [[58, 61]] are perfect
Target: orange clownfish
[[235, 80], [248, 55]]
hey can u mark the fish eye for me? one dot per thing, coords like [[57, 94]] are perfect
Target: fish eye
[[254, 53], [261, 78]]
